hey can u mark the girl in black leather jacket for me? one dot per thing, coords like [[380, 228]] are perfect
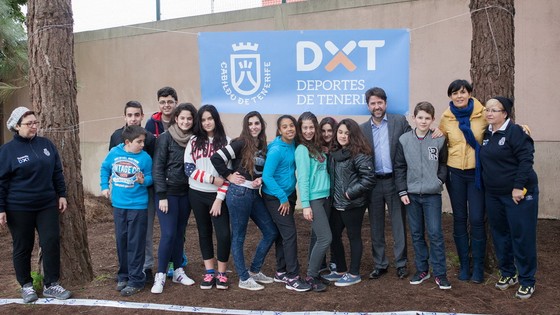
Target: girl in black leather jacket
[[352, 178], [171, 187]]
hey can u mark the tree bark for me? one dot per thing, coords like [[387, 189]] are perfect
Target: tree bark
[[492, 48], [492, 63], [52, 81]]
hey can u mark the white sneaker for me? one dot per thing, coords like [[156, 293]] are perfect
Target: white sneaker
[[179, 276], [159, 282], [250, 284], [261, 277]]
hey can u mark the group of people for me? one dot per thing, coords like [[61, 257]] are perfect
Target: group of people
[[340, 169]]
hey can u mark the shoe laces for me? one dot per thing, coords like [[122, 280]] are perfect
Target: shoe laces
[[28, 289], [208, 277], [160, 276], [222, 278], [524, 289], [56, 288]]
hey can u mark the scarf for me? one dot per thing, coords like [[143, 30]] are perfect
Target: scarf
[[180, 136], [463, 116]]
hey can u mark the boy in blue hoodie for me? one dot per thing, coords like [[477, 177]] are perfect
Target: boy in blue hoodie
[[128, 169]]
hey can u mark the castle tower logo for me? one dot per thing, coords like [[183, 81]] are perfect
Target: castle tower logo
[[245, 67], [246, 78]]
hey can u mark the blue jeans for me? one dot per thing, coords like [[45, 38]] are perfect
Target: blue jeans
[[467, 203], [424, 213], [244, 203], [172, 226], [514, 232], [130, 234]]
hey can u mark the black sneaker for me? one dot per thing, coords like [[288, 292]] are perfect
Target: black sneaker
[[297, 285], [128, 291], [506, 282], [280, 277], [443, 283], [419, 277], [316, 284], [121, 285], [149, 275], [208, 282], [222, 282], [524, 292], [402, 272], [377, 273]]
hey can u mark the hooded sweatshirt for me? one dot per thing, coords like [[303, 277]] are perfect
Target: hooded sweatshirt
[[279, 178], [155, 125], [122, 167]]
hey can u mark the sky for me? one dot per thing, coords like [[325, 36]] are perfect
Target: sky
[[98, 14]]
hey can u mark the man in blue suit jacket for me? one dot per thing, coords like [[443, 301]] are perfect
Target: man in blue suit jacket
[[383, 131]]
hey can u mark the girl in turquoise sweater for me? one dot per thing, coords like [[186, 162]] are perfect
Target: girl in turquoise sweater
[[279, 194], [314, 189]]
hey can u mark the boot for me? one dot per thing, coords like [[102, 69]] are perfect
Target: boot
[[462, 243], [478, 254]]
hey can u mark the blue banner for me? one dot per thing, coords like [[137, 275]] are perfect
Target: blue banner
[[289, 72]]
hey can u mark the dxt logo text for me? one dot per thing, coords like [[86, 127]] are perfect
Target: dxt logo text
[[313, 53]]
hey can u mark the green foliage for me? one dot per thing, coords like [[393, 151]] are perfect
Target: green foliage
[[37, 280], [103, 277], [13, 48], [15, 9]]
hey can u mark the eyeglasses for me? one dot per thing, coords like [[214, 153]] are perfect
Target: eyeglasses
[[31, 123], [493, 111], [168, 102]]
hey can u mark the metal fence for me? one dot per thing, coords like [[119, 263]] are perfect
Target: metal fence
[[169, 9]]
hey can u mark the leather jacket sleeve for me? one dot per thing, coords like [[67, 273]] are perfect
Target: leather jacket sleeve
[[364, 179]]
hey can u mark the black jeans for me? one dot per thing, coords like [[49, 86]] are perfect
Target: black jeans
[[201, 203], [352, 220], [22, 225], [286, 243]]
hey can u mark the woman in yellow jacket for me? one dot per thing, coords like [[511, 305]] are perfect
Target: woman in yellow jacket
[[463, 123]]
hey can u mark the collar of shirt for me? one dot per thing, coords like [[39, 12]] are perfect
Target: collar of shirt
[[502, 128], [383, 121]]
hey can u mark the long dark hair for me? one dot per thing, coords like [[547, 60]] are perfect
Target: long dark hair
[[357, 142], [250, 144], [327, 121], [202, 141], [313, 145]]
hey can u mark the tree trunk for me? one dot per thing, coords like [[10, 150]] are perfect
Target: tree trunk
[[492, 63], [492, 49], [52, 81]]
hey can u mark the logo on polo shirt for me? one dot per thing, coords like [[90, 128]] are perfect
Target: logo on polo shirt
[[23, 159]]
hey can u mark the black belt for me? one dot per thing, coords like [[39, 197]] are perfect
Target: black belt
[[384, 176]]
